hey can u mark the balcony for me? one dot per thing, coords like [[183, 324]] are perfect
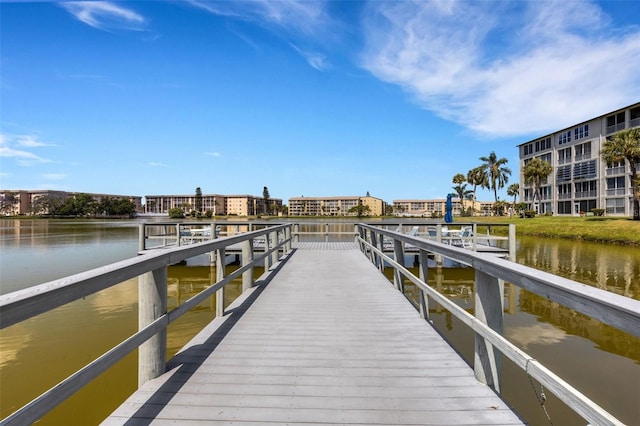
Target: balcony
[[635, 122], [586, 156], [564, 196], [586, 194], [615, 128], [616, 171], [617, 192]]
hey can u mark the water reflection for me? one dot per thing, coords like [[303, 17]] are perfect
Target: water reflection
[[612, 268]]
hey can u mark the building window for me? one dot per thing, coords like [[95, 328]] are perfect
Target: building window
[[564, 191], [583, 151], [585, 170], [564, 155], [615, 122], [615, 206], [617, 168], [581, 132], [586, 189], [634, 117], [564, 207], [564, 137], [616, 186], [587, 205]]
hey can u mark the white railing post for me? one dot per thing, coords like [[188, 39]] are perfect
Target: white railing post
[[247, 258], [296, 233], [489, 304], [267, 258], [274, 243], [220, 266], [152, 304], [179, 237]]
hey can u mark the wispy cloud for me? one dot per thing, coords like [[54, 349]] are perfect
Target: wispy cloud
[[308, 17], [213, 154], [54, 176], [307, 21], [455, 58], [157, 164], [316, 59], [105, 15], [19, 147]]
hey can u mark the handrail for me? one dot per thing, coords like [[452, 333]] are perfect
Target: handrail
[[24, 304], [491, 272]]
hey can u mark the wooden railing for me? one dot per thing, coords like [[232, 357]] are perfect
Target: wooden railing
[[490, 274], [151, 269]]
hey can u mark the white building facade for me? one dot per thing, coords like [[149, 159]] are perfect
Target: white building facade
[[580, 180]]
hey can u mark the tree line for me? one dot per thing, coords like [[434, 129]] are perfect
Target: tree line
[[83, 205]]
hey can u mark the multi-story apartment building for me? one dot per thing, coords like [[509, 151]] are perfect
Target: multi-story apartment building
[[333, 206], [220, 205], [161, 204], [438, 207], [26, 202], [580, 180]]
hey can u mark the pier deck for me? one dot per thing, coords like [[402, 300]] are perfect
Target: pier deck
[[327, 341]]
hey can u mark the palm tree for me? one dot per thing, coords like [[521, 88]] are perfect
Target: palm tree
[[461, 189], [477, 177], [535, 171], [625, 145], [513, 190], [495, 171]]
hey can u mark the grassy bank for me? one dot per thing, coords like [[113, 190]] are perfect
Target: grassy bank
[[600, 229]]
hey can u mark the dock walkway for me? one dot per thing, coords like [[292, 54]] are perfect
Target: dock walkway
[[327, 341]]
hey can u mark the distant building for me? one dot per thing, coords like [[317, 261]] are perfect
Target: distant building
[[438, 207], [28, 202], [219, 205], [334, 206], [580, 180]]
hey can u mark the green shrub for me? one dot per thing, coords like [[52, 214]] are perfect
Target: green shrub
[[597, 212], [529, 213], [176, 213]]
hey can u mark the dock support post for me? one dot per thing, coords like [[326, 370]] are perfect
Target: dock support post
[[152, 304], [296, 233], [424, 277], [489, 304], [512, 242], [220, 266], [326, 232], [247, 258]]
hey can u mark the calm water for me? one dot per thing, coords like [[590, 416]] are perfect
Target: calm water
[[36, 354]]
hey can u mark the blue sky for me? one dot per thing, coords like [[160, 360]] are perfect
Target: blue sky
[[307, 98]]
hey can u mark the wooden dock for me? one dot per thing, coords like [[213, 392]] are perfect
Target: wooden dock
[[327, 341]]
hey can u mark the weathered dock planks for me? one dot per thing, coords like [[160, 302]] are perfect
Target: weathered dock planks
[[327, 341]]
